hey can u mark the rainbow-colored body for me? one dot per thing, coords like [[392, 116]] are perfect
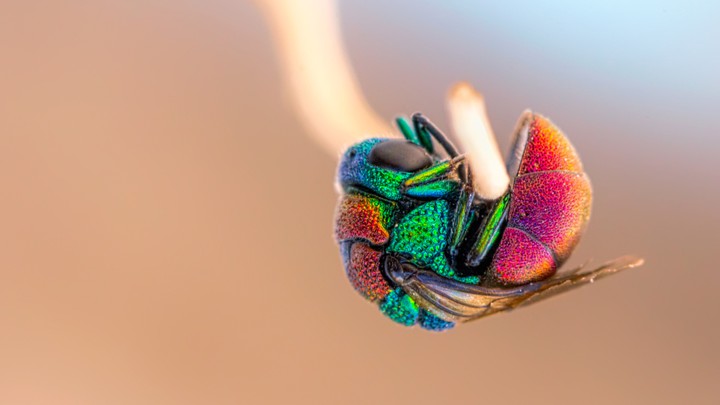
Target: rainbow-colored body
[[362, 228], [405, 235]]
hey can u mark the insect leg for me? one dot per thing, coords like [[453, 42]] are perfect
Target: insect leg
[[422, 134], [425, 128], [433, 181], [408, 131], [461, 219], [490, 230]]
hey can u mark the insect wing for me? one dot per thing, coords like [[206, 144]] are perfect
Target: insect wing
[[566, 281], [459, 302]]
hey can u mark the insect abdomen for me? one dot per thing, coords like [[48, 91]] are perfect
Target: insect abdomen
[[549, 208]]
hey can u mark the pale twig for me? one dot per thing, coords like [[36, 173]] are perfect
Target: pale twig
[[472, 129], [321, 81], [330, 103]]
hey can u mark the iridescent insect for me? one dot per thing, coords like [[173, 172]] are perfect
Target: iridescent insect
[[416, 239]]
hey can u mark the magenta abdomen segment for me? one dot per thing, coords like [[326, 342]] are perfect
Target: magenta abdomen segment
[[549, 208], [520, 257]]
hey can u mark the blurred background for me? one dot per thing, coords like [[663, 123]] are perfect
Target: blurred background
[[166, 221]]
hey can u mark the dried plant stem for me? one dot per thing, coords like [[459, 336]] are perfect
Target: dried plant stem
[[329, 101], [472, 129], [322, 84]]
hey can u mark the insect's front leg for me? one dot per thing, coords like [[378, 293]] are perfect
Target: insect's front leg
[[425, 129], [433, 182]]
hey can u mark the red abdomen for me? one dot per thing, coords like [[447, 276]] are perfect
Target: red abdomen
[[549, 207]]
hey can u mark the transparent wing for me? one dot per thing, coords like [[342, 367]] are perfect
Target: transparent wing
[[576, 278], [458, 302]]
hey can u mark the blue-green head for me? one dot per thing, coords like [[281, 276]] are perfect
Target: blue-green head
[[381, 166]]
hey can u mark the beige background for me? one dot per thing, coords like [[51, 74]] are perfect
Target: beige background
[[165, 222]]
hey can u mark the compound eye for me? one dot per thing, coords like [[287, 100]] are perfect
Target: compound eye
[[399, 155]]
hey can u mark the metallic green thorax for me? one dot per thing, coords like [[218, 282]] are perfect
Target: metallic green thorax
[[426, 224], [421, 237], [400, 307]]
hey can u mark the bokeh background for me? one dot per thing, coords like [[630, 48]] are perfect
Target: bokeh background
[[166, 222]]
